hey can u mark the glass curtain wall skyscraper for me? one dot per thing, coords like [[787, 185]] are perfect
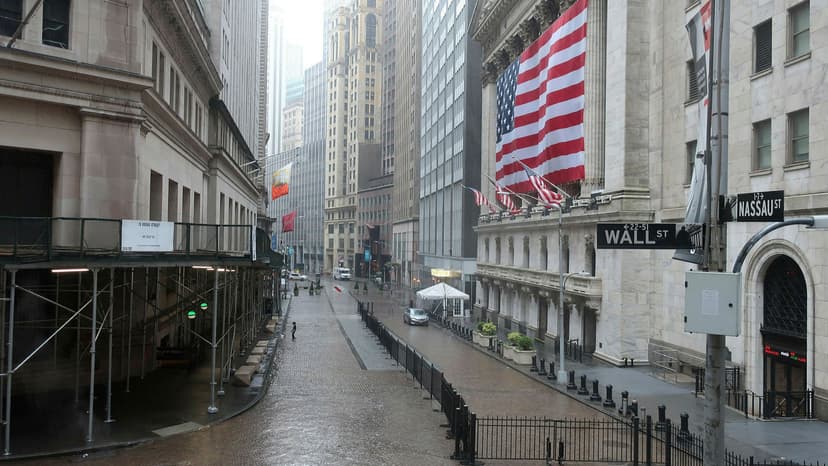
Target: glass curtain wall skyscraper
[[450, 143]]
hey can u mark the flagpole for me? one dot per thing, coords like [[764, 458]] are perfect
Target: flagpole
[[534, 172]]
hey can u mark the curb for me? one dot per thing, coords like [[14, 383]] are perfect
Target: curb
[[145, 440]]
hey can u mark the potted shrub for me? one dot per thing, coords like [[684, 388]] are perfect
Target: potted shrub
[[524, 350], [485, 332], [511, 345]]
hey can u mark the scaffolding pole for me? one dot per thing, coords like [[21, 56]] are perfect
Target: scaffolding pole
[[93, 337], [212, 409], [57, 299], [109, 357], [10, 368], [129, 326], [224, 335], [144, 323], [77, 342]]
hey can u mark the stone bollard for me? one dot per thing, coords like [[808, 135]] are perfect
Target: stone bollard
[[662, 418], [634, 408], [623, 409], [608, 402], [534, 367], [625, 362], [570, 385], [491, 344], [542, 368], [552, 374], [500, 347], [583, 390], [684, 431], [595, 397]]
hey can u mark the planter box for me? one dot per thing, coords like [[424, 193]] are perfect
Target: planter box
[[482, 340], [523, 358], [508, 352]]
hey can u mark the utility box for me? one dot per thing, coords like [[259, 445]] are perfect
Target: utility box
[[712, 303]]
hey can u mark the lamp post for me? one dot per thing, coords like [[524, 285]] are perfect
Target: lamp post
[[563, 277]]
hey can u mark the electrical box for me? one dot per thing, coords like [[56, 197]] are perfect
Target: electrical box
[[712, 303]]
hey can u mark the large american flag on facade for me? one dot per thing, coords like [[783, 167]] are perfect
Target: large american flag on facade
[[540, 106]]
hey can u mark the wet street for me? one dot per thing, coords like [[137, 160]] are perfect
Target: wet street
[[337, 398]]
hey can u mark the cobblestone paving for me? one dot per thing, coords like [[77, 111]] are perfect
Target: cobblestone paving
[[322, 408]]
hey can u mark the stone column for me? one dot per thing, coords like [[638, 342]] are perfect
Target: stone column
[[595, 96], [488, 130]]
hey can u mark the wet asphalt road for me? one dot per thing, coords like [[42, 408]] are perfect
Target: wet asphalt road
[[323, 408]]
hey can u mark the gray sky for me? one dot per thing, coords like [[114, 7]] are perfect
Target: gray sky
[[303, 26]]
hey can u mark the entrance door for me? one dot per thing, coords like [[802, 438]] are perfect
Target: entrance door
[[589, 330], [784, 340], [543, 316]]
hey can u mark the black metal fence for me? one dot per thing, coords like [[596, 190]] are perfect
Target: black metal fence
[[761, 405], [607, 440]]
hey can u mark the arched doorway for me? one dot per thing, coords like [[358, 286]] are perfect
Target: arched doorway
[[784, 339]]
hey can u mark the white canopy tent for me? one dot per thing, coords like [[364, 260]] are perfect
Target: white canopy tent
[[443, 292]]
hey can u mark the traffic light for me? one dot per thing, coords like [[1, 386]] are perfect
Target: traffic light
[[191, 314], [203, 305]]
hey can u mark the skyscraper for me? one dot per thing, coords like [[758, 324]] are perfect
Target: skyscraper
[[406, 142], [353, 149], [450, 143]]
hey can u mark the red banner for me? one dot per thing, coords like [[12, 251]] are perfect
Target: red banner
[[288, 221]]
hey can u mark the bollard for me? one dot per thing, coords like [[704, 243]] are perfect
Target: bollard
[[560, 451], [684, 430], [634, 408], [570, 385], [625, 362], [583, 390], [491, 344], [662, 418], [552, 374], [608, 402], [624, 408], [500, 347], [534, 367], [632, 362], [595, 397], [542, 368]]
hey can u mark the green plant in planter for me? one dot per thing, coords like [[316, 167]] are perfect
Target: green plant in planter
[[513, 338], [489, 329], [524, 343], [480, 326]]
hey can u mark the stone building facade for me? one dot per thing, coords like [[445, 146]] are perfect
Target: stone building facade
[[640, 130]]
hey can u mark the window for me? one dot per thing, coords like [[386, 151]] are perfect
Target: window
[[799, 30], [11, 12], [161, 74], [761, 143], [330, 228], [371, 30], [762, 43], [56, 23], [691, 161], [692, 82], [798, 136]]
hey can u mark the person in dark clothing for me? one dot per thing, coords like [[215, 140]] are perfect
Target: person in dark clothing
[[293, 332]]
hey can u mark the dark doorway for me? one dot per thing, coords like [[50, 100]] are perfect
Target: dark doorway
[[543, 316], [784, 339], [589, 330]]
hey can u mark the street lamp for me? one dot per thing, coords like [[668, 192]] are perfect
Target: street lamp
[[563, 277]]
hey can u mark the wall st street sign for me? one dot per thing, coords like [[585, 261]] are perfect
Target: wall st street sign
[[646, 236]]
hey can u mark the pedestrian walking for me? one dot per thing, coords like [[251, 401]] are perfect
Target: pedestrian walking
[[293, 332]]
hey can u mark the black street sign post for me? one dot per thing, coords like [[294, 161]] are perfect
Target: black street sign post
[[647, 236]]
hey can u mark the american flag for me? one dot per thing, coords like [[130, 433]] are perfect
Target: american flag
[[540, 106], [504, 198], [545, 195], [480, 199]]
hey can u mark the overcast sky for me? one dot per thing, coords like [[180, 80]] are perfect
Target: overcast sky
[[303, 26]]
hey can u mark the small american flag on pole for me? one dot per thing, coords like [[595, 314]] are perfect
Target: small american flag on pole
[[504, 198], [540, 106], [545, 195], [480, 199]]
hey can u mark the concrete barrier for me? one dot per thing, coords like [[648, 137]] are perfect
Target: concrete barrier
[[259, 350], [244, 375]]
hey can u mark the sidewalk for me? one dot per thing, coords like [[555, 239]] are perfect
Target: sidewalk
[[167, 401], [794, 440]]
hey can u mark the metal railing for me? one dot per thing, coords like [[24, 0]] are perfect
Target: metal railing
[[509, 438], [29, 239]]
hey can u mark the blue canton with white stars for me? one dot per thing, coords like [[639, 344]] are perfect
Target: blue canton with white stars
[[506, 86]]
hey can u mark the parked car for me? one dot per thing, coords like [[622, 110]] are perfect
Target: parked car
[[297, 276], [415, 316]]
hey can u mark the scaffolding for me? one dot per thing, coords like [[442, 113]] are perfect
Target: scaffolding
[[66, 282]]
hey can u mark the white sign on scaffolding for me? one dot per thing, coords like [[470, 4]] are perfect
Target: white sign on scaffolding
[[146, 236]]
